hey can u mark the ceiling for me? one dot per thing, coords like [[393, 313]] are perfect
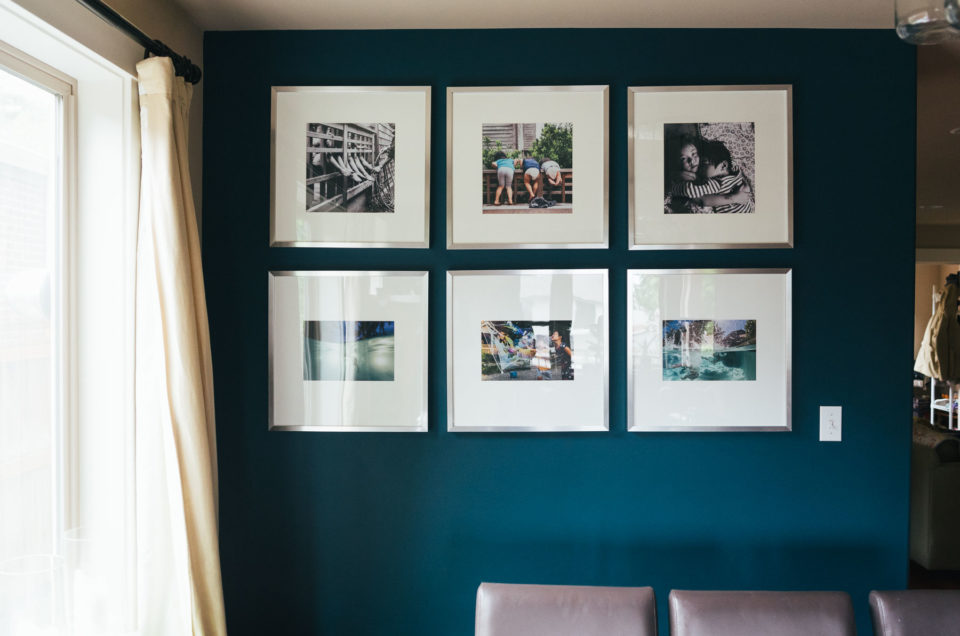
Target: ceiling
[[220, 15], [938, 86]]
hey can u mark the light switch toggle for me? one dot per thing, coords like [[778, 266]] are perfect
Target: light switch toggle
[[830, 421]]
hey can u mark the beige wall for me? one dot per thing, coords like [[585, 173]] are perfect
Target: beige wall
[[162, 20], [166, 21], [928, 276]]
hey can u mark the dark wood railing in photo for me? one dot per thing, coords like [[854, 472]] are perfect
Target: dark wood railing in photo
[[327, 187], [490, 185]]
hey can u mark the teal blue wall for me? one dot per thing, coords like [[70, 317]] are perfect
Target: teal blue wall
[[392, 533]]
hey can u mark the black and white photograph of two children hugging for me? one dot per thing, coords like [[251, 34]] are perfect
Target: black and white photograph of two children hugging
[[709, 168]]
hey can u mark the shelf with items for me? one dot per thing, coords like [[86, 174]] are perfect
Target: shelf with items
[[946, 405]]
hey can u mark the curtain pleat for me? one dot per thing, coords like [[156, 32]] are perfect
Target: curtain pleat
[[179, 562]]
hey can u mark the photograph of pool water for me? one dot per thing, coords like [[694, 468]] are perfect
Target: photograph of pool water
[[709, 350], [348, 350]]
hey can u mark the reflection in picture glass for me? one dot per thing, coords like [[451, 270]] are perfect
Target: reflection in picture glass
[[709, 350], [526, 350], [348, 350]]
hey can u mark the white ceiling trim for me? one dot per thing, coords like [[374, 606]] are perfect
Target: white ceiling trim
[[220, 15]]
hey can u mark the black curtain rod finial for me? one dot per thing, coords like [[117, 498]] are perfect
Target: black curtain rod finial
[[184, 68], [182, 65]]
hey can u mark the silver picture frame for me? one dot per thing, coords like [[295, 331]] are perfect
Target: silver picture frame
[[402, 400], [766, 402], [597, 215], [379, 102], [679, 234], [585, 407]]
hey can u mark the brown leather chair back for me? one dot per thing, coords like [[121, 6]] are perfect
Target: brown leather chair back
[[916, 613], [565, 610], [699, 613]]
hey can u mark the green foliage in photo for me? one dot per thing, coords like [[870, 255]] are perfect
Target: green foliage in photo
[[555, 142], [491, 148]]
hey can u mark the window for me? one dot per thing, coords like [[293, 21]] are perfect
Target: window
[[68, 215], [32, 423]]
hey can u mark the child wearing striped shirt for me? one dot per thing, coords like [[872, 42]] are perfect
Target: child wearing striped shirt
[[724, 188]]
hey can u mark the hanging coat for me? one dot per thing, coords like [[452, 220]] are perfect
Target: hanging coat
[[939, 354]]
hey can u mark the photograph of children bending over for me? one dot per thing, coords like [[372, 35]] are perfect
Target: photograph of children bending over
[[527, 168], [709, 168]]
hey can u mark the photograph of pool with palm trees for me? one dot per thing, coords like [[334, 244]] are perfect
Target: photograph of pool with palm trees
[[348, 350], [526, 350], [709, 350]]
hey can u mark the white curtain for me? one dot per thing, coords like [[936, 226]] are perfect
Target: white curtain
[[178, 556]]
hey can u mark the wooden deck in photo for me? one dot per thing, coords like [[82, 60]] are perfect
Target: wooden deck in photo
[[524, 208]]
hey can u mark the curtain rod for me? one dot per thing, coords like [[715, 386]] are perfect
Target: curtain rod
[[186, 69]]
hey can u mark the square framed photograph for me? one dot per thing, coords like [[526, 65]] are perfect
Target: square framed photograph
[[349, 166], [348, 351], [710, 350], [527, 167], [710, 167], [527, 351]]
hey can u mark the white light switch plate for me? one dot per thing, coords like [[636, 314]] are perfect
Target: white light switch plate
[[830, 421]]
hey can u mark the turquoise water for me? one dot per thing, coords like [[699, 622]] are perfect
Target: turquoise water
[[368, 359], [729, 365]]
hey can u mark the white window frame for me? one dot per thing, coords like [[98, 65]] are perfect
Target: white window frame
[[98, 268]]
